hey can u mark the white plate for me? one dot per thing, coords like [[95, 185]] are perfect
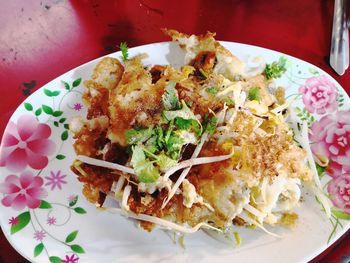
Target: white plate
[[106, 237]]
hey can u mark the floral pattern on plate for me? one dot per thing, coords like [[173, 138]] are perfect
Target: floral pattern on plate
[[25, 151], [329, 135]]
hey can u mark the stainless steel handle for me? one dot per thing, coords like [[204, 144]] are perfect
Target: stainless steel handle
[[339, 55]]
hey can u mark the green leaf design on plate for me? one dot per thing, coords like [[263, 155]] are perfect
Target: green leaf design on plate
[[66, 85], [314, 71], [47, 92], [38, 249], [50, 93], [55, 123], [55, 93], [47, 109], [57, 113], [64, 135], [66, 126], [60, 156], [45, 205], [76, 82], [54, 259], [71, 236], [62, 120], [38, 112], [28, 106], [340, 214], [74, 201], [80, 210], [77, 249], [23, 220]]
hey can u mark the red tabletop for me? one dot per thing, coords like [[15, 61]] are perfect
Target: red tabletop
[[40, 40]]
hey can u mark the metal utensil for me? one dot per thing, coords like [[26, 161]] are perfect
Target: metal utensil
[[339, 55]]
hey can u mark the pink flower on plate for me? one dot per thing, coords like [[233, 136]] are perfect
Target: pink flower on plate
[[71, 259], [335, 169], [78, 106], [72, 198], [13, 221], [51, 220], [26, 143], [319, 94], [330, 138], [55, 179], [39, 235], [22, 191], [339, 190]]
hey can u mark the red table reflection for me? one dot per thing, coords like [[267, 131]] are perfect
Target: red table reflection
[[40, 40]]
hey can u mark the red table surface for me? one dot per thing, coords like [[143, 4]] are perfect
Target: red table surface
[[40, 40]]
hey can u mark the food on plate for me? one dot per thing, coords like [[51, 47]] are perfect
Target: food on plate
[[206, 145]]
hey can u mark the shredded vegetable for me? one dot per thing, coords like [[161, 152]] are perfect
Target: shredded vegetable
[[164, 223], [105, 164]]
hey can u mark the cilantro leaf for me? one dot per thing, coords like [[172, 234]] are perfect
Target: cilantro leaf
[[151, 144], [182, 123], [164, 162], [138, 156], [170, 98], [184, 113], [138, 136], [184, 118], [212, 90], [191, 124], [174, 145], [187, 137], [125, 50], [148, 173], [160, 137], [275, 69], [209, 124], [254, 93], [144, 169]]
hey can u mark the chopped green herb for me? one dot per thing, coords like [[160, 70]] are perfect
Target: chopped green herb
[[182, 123], [254, 94], [209, 124], [138, 136], [151, 144], [160, 137], [144, 169], [174, 145], [125, 50], [212, 90], [191, 124], [275, 69], [179, 127], [184, 113], [170, 98], [229, 101], [187, 136], [164, 162]]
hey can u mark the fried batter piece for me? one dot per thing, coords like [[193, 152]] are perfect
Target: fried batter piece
[[123, 97]]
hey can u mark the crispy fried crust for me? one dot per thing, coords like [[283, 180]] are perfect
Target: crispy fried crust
[[123, 97]]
